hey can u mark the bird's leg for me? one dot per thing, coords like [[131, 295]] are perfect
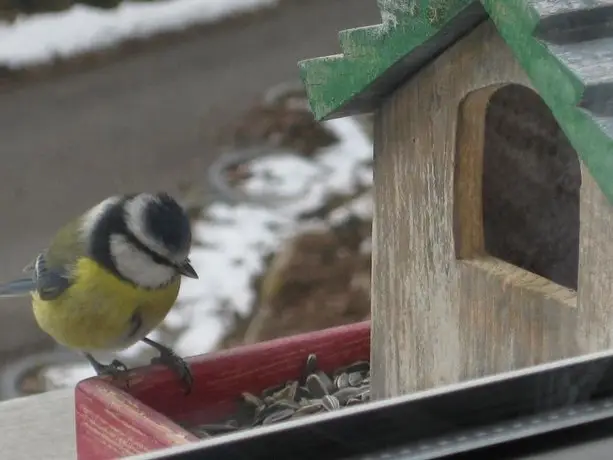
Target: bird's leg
[[170, 359], [113, 369]]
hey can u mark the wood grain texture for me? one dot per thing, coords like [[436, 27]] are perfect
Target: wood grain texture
[[112, 422], [595, 267], [450, 319], [468, 206]]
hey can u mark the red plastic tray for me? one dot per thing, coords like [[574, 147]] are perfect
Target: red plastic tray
[[113, 422]]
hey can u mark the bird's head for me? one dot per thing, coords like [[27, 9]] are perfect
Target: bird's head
[[144, 238]]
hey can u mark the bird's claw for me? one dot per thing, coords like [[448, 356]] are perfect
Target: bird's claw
[[177, 364], [115, 368]]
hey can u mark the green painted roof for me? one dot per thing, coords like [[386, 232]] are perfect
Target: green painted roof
[[565, 47], [342, 84]]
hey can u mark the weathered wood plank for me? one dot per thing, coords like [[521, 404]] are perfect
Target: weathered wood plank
[[436, 319], [510, 318], [595, 267]]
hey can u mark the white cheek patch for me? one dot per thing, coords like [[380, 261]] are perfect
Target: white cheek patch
[[137, 266]]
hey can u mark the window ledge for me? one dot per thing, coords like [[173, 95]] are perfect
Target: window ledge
[[39, 426]]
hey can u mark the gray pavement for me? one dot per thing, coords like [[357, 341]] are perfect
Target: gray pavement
[[147, 121]]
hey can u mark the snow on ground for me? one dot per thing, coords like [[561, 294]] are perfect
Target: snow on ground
[[232, 243], [40, 38]]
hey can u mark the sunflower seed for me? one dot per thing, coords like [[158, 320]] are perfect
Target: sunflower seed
[[319, 384], [273, 390], [345, 394], [288, 392], [355, 379], [341, 380], [314, 407], [278, 416], [284, 404], [359, 366], [252, 400], [311, 364], [303, 395], [313, 392], [330, 403], [278, 406]]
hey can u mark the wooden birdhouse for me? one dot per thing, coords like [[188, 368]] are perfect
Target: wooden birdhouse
[[493, 226]]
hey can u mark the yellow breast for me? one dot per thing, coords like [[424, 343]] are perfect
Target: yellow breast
[[95, 312]]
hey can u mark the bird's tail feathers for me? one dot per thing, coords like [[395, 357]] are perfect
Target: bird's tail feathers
[[17, 288]]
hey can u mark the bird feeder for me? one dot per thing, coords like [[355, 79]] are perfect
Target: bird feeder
[[150, 411], [493, 162]]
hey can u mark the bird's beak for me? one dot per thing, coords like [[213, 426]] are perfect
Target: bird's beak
[[186, 269]]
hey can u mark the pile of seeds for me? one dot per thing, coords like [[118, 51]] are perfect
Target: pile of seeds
[[315, 392]]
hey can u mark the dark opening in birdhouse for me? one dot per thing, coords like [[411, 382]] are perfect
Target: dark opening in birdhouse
[[530, 187]]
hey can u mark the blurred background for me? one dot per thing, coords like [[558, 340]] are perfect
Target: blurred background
[[200, 98]]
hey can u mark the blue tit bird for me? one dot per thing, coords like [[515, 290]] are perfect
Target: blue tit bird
[[110, 276]]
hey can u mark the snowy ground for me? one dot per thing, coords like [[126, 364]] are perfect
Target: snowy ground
[[41, 38], [232, 242]]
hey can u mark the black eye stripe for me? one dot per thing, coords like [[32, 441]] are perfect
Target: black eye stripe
[[158, 259]]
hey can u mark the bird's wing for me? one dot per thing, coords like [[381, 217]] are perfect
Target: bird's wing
[[50, 280], [52, 270], [51, 273]]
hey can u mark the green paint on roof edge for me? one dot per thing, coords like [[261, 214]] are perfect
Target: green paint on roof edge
[[332, 81]]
